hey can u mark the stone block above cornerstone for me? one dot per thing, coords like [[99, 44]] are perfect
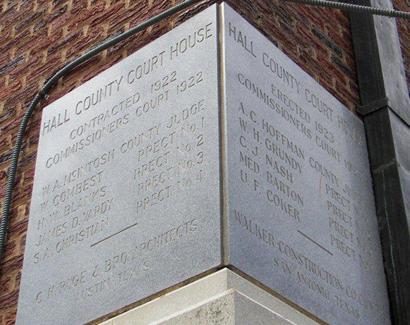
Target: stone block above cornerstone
[[208, 148], [220, 298]]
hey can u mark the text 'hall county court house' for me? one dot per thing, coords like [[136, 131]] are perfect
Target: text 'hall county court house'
[[225, 162]]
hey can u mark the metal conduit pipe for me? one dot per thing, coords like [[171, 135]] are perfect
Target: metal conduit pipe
[[112, 41], [355, 8]]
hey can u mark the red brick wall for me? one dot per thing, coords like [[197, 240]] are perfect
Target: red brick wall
[[403, 27], [38, 36]]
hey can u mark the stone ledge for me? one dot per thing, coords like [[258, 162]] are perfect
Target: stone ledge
[[220, 298]]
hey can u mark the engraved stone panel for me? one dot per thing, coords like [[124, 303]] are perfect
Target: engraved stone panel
[[126, 193], [301, 216], [126, 197]]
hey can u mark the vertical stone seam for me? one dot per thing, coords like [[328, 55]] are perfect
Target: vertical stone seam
[[222, 135], [86, 20]]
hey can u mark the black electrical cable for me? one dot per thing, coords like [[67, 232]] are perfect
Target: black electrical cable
[[112, 41], [355, 8], [46, 88]]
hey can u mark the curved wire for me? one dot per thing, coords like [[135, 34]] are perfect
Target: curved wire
[[355, 8], [112, 41]]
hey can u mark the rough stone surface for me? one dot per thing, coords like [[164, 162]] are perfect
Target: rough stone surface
[[232, 308], [38, 37], [223, 297], [126, 191], [220, 310], [127, 185], [299, 191]]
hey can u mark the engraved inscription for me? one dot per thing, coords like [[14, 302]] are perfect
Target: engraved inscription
[[300, 192], [127, 182], [127, 189]]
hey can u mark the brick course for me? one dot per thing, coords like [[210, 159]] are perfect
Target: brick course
[[403, 27], [39, 36]]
